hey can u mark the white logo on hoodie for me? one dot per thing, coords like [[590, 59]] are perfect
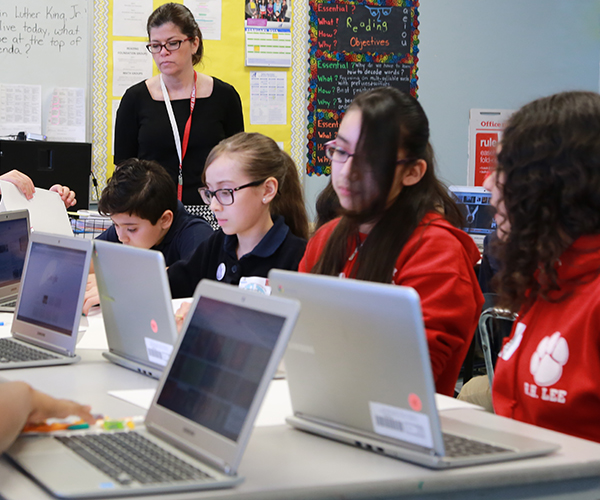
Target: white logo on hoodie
[[547, 361]]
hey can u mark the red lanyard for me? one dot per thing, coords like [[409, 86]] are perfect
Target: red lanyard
[[186, 139]]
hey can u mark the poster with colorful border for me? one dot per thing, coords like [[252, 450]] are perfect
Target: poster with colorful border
[[355, 45]]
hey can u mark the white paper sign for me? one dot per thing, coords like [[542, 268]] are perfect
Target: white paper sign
[[402, 424], [66, 118], [158, 352], [20, 108], [268, 98], [132, 63], [207, 14], [130, 17]]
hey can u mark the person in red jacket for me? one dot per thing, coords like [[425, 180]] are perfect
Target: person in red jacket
[[546, 189], [399, 225]]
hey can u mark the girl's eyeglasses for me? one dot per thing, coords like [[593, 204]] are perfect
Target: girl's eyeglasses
[[224, 196], [336, 154], [341, 156]]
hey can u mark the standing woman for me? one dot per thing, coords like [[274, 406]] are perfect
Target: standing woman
[[399, 225], [178, 116]]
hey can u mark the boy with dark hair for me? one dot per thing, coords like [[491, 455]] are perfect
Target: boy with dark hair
[[141, 200]]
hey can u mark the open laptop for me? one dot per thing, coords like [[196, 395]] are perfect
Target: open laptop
[[202, 415], [46, 320], [14, 237], [474, 202], [136, 306], [359, 372]]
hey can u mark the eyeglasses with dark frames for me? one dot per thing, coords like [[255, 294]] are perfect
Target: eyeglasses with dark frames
[[171, 45], [340, 155], [224, 196]]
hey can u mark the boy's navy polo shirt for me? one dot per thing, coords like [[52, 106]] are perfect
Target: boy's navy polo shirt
[[183, 237], [216, 259]]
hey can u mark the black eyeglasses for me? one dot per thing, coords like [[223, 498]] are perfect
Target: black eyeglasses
[[336, 154], [171, 45], [340, 155], [224, 196]]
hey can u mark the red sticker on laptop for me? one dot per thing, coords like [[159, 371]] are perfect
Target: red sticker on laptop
[[415, 402], [154, 326]]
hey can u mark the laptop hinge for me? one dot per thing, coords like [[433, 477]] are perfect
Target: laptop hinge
[[174, 440], [45, 345]]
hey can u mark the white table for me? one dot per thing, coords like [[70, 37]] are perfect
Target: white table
[[284, 463]]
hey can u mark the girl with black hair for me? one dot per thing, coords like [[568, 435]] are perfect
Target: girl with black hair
[[398, 223], [546, 190]]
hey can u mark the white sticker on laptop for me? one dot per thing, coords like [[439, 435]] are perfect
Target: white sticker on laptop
[[158, 352], [398, 423]]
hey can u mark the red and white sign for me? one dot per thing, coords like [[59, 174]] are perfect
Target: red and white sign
[[485, 133]]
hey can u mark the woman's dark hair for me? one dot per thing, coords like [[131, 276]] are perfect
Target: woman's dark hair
[[392, 121], [261, 158], [139, 187], [327, 206], [181, 17], [549, 174]]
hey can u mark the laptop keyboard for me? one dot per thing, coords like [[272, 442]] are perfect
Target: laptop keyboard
[[457, 446], [9, 304], [14, 352], [128, 457]]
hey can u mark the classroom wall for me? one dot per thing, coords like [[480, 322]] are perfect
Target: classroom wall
[[495, 54]]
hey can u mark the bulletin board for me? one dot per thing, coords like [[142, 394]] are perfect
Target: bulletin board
[[223, 59], [355, 45]]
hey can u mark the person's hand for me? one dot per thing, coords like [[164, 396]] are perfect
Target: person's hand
[[66, 195], [24, 183], [92, 296], [44, 406], [181, 313]]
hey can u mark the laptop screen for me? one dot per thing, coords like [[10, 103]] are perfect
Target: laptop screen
[[220, 362], [50, 288], [14, 236], [477, 211]]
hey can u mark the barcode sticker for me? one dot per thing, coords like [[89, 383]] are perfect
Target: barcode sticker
[[398, 423], [158, 352]]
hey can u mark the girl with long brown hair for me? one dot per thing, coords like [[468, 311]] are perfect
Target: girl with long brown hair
[[254, 190], [399, 225]]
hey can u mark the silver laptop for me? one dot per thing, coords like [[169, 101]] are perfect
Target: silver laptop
[[474, 203], [201, 417], [359, 372], [136, 306], [48, 311], [14, 237]]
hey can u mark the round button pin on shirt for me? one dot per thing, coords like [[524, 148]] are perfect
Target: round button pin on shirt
[[221, 271]]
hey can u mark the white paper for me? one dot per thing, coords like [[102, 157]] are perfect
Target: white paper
[[132, 63], [268, 98], [158, 352], [115, 107], [402, 424], [207, 14], [20, 108], [66, 118], [139, 397], [130, 17], [47, 212], [268, 46]]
